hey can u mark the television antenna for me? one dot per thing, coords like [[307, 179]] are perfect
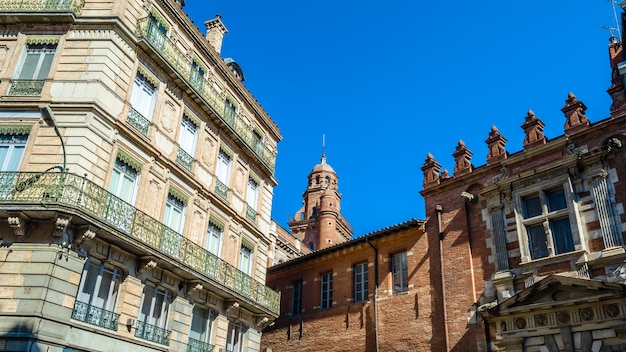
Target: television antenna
[[616, 28]]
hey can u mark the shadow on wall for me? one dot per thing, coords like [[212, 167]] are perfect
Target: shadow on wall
[[20, 338]]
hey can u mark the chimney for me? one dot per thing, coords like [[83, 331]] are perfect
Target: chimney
[[215, 31]]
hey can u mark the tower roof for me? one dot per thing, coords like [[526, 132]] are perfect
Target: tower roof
[[323, 166]]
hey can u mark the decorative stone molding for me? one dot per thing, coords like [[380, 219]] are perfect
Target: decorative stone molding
[[18, 224]]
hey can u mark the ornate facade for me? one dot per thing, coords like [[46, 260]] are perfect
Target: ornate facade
[[136, 182]]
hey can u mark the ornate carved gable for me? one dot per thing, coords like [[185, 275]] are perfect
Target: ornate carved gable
[[556, 290]]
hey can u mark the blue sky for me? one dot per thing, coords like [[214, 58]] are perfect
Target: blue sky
[[389, 81]]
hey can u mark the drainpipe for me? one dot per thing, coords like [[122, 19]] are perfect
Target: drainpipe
[[375, 289], [469, 198], [439, 210]]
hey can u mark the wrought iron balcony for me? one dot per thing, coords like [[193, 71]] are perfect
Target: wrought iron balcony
[[95, 316], [90, 200], [221, 189], [26, 87], [198, 346], [138, 121], [184, 158], [42, 5], [147, 29], [250, 213], [152, 333]]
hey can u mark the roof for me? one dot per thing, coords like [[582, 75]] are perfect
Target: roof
[[387, 231]]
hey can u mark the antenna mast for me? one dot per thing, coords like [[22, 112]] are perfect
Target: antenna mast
[[619, 34]]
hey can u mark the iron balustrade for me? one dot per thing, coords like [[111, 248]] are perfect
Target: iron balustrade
[[184, 158], [95, 316], [152, 333], [86, 197], [137, 120], [221, 189], [42, 5], [198, 346], [147, 29], [250, 213], [26, 87]]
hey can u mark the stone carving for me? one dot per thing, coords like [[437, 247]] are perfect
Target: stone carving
[[586, 314], [541, 319]]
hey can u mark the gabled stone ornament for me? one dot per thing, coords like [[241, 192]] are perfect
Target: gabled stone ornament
[[18, 224], [462, 157], [533, 127], [496, 143], [574, 111], [431, 171]]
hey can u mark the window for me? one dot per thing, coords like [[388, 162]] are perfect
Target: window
[[224, 161], [547, 223], [257, 142], [142, 100], [399, 272], [237, 337], [35, 67], [201, 326], [11, 151], [245, 259], [296, 298], [230, 111], [187, 140], [196, 77], [97, 294], [252, 198], [123, 186], [360, 282], [214, 238], [173, 219], [152, 322], [326, 300], [157, 32]]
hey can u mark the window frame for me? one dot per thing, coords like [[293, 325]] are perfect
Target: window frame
[[399, 279], [546, 219], [206, 320], [236, 336], [360, 280], [296, 298], [188, 132], [162, 320], [118, 166], [29, 48], [98, 268], [143, 96], [214, 235], [173, 203], [16, 144], [326, 290]]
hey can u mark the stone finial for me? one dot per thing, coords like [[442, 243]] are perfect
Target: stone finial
[[533, 127], [215, 31], [462, 157], [431, 171], [574, 111], [495, 143]]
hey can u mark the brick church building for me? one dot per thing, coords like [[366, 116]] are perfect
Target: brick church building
[[523, 253]]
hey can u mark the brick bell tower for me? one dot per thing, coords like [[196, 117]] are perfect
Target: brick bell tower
[[319, 223]]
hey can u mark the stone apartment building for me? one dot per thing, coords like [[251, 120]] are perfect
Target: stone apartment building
[[136, 182], [523, 253]]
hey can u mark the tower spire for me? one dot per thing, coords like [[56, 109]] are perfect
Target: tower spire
[[323, 148]]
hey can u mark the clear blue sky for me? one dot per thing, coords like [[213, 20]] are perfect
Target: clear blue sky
[[389, 81]]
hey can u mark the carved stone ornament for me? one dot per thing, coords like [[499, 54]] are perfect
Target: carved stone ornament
[[541, 319], [563, 317], [611, 310], [60, 225], [520, 323], [146, 264], [586, 314], [18, 224]]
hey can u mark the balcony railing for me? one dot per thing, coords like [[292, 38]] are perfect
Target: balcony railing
[[138, 121], [26, 87], [146, 29], [152, 333], [250, 213], [221, 189], [86, 197], [184, 158], [95, 316], [198, 346], [42, 6]]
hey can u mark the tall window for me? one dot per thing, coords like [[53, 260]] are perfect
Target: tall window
[[547, 223], [142, 100], [326, 300], [257, 142], [237, 336], [360, 282], [245, 259], [157, 32], [97, 294], [153, 314], [252, 198], [11, 151], [230, 111], [37, 61], [201, 326], [400, 272], [197, 75], [174, 213], [123, 185], [187, 140], [224, 161], [214, 238], [296, 298]]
